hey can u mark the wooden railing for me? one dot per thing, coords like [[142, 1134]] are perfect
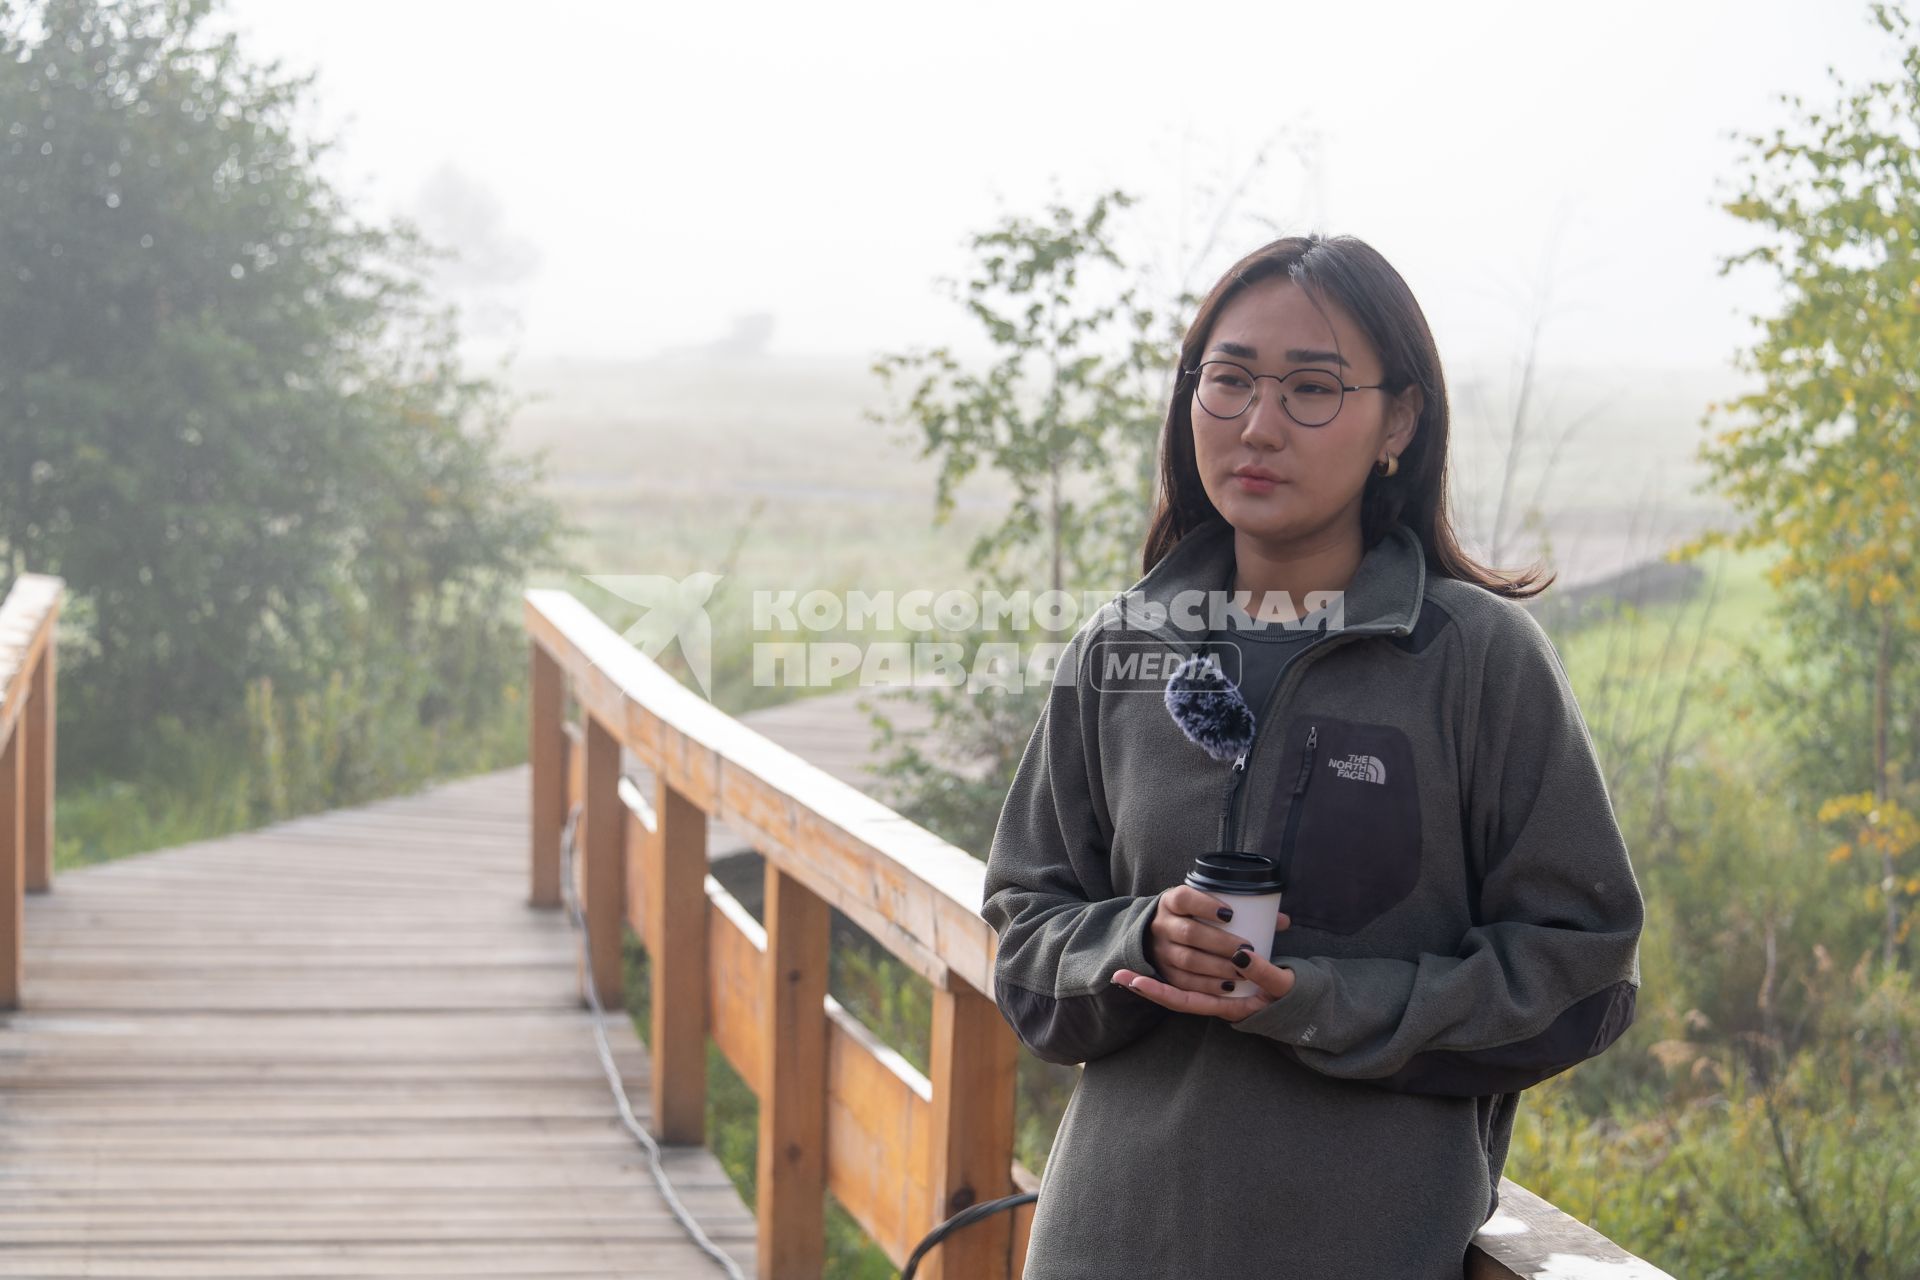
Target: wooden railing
[[838, 1108], [28, 619]]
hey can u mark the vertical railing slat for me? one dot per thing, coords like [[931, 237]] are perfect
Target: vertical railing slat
[[604, 873], [676, 904], [13, 862], [792, 1157], [38, 724], [547, 749]]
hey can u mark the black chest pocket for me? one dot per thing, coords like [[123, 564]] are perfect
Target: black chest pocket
[[1346, 830]]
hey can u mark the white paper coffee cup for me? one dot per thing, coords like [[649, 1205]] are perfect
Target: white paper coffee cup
[[1250, 884]]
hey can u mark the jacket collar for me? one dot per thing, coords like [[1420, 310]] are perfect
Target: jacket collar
[[1384, 596]]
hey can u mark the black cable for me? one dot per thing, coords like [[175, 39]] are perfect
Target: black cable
[[612, 1068], [972, 1213]]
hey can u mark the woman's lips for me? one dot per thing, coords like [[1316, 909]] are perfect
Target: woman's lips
[[1253, 484]]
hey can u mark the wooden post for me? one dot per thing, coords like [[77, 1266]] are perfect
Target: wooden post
[[547, 750], [792, 1162], [604, 869], [38, 724], [576, 799], [974, 1059], [676, 905], [13, 861]]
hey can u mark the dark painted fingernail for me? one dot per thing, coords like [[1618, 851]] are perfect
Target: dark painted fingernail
[[1244, 946], [1243, 958], [1226, 986], [1225, 913]]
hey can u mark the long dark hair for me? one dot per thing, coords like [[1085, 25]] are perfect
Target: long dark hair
[[1352, 273]]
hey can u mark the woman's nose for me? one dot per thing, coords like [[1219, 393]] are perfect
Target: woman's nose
[[1266, 418]]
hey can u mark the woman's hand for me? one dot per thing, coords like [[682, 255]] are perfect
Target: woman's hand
[[1198, 956]]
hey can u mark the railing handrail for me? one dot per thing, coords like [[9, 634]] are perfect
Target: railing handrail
[[921, 898], [27, 618]]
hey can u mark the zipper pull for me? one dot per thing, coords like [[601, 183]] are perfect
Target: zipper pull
[[1226, 803]]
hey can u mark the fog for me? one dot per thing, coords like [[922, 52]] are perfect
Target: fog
[[626, 180]]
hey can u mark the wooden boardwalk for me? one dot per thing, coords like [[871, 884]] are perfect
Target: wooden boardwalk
[[343, 1045]]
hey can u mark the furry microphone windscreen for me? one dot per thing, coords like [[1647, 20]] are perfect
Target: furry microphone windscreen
[[1208, 707]]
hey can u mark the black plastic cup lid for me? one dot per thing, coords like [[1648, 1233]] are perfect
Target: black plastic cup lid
[[1231, 871]]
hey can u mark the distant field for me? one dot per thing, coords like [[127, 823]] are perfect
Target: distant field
[[1633, 671], [669, 464]]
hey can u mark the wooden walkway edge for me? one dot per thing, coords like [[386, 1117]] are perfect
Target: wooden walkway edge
[[342, 1045]]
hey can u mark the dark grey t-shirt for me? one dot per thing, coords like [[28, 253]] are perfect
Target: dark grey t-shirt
[[1265, 649]]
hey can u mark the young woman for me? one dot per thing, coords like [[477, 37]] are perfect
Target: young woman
[[1460, 919]]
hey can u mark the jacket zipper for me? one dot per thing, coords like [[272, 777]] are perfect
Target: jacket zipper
[[1230, 811], [1296, 805], [1233, 790]]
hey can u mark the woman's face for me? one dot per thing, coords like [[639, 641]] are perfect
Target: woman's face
[[1272, 327]]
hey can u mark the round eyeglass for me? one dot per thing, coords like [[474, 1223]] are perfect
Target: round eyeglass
[[1311, 397]]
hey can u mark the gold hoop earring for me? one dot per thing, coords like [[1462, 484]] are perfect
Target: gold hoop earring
[[1392, 465]]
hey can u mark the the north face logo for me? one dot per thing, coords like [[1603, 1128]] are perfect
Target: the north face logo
[[1359, 768]]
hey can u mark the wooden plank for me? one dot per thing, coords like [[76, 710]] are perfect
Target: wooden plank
[[85, 1180], [642, 851], [439, 1259], [284, 1055], [878, 1135], [1528, 1237], [736, 986]]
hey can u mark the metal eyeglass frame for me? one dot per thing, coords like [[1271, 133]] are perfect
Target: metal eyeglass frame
[[1282, 380]]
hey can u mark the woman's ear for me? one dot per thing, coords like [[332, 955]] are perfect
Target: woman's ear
[[1405, 419]]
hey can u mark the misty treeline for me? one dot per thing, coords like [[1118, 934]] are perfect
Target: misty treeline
[[232, 418]]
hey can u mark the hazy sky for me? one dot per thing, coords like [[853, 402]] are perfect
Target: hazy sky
[[632, 177]]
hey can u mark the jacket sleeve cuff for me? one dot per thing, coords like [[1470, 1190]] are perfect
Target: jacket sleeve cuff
[[1134, 936], [1084, 1014], [1292, 1018]]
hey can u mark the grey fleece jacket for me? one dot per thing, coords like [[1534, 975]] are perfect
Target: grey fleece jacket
[[1465, 923]]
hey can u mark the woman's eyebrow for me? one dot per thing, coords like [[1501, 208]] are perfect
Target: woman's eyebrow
[[1296, 356]]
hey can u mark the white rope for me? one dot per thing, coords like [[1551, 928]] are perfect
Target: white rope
[[612, 1069]]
